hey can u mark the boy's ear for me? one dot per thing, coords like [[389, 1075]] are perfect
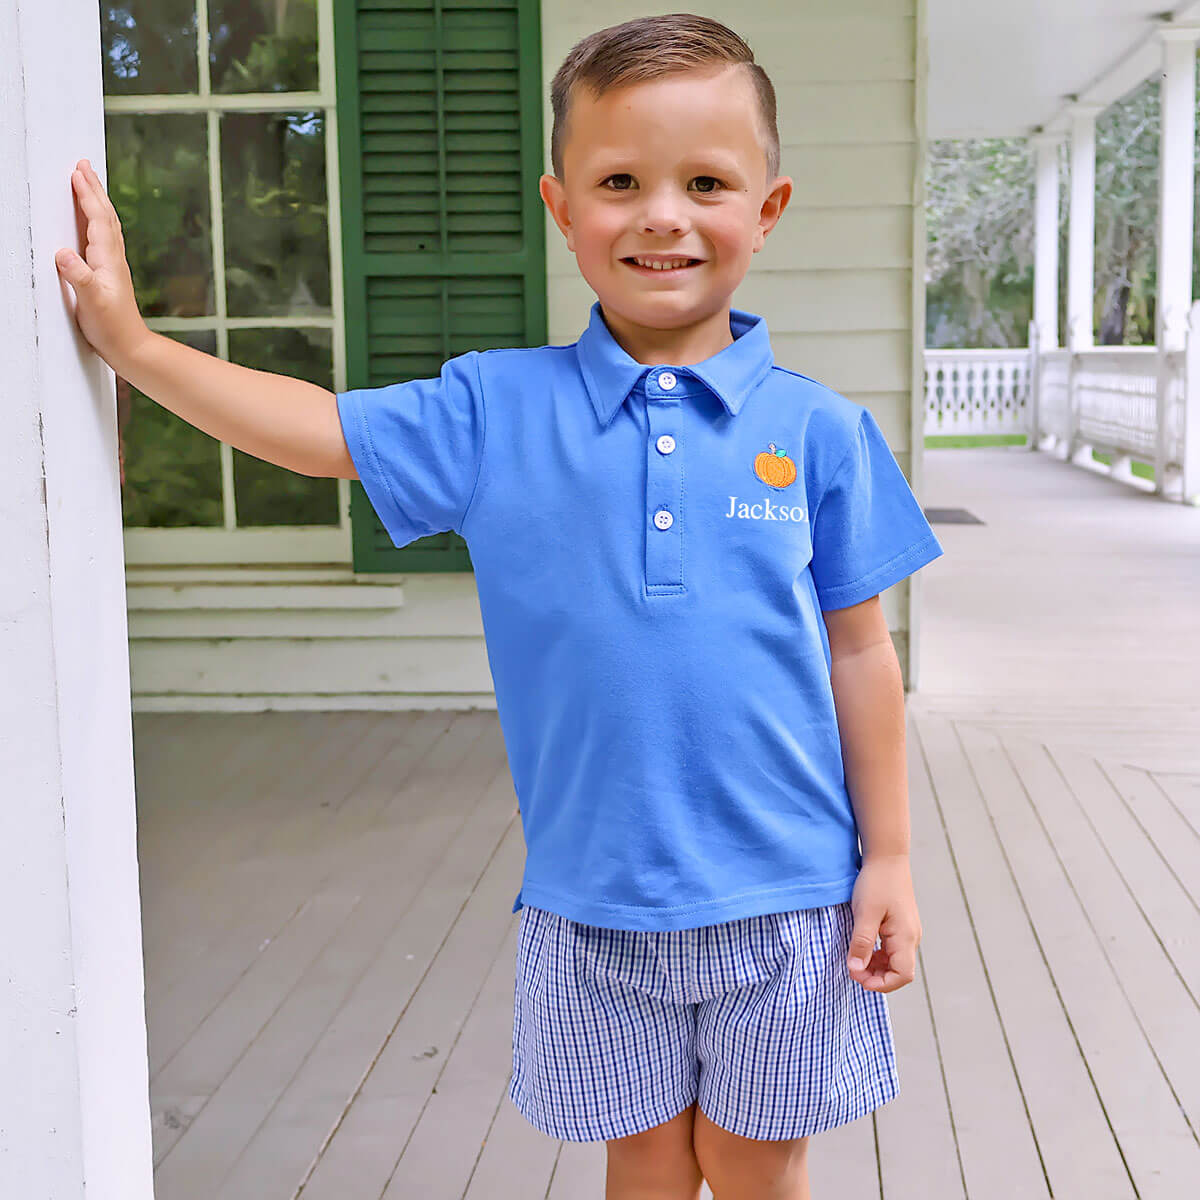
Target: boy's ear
[[772, 209], [554, 196]]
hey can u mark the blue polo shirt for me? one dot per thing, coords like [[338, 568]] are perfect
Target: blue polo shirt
[[653, 547]]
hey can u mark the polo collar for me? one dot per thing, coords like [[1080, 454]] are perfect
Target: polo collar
[[610, 374]]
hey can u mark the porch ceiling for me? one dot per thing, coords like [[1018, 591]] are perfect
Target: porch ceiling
[[1002, 70]]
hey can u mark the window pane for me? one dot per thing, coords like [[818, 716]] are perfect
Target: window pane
[[149, 46], [172, 469], [263, 45], [267, 494], [158, 182], [276, 239]]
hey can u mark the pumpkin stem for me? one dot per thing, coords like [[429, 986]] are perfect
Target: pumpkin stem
[[771, 447]]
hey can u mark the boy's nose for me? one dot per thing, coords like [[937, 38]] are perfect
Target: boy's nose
[[663, 213]]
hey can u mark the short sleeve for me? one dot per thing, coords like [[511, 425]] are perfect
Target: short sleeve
[[868, 531], [417, 447]]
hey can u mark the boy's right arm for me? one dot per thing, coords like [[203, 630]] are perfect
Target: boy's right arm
[[282, 420]]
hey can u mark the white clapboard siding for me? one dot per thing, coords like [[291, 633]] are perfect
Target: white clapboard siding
[[310, 639]]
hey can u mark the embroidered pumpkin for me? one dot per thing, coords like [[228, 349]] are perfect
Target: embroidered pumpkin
[[775, 468]]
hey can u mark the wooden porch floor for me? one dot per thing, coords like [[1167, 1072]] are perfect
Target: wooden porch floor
[[329, 948]]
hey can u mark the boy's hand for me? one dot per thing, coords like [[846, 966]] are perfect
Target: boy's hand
[[106, 309], [884, 906]]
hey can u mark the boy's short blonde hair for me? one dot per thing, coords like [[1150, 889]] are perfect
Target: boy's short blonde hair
[[648, 48]]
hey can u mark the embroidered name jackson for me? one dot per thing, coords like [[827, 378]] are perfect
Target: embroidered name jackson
[[764, 510]]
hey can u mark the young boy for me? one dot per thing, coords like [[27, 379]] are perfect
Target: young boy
[[678, 547]]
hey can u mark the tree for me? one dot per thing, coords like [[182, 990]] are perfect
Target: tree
[[979, 265], [979, 278]]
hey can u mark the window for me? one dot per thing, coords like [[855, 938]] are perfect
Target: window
[[221, 128]]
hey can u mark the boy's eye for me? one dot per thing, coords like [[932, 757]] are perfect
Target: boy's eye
[[623, 182]]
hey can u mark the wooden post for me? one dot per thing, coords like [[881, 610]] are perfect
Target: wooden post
[[1032, 421], [1043, 330], [1045, 271], [1177, 93], [74, 1097], [1081, 259], [1190, 483], [1081, 229]]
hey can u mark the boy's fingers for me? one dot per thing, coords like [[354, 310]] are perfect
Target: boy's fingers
[[862, 943], [76, 272], [102, 234], [95, 199], [89, 201], [102, 192]]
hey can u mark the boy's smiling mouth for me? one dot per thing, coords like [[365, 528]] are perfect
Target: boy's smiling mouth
[[661, 264]]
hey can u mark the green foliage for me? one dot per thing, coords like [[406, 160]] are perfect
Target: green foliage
[[1127, 135], [276, 214], [149, 47], [979, 277], [979, 269], [264, 493], [276, 238], [158, 182], [263, 45], [172, 470]]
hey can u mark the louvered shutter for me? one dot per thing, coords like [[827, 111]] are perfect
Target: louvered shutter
[[443, 241]]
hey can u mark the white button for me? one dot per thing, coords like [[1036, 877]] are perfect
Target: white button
[[663, 519], [666, 381], [666, 443]]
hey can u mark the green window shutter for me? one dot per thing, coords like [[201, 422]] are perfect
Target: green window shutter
[[443, 243]]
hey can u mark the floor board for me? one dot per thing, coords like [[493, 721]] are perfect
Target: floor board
[[330, 946]]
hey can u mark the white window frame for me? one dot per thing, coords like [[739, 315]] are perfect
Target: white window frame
[[261, 543]]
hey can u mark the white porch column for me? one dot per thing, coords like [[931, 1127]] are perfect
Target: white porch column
[[1081, 232], [74, 1100], [1176, 233], [1045, 270], [1043, 330], [1081, 258], [1177, 94]]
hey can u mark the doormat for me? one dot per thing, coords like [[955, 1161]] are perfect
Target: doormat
[[951, 516]]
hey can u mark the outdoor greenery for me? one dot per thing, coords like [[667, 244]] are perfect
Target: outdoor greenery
[[275, 237], [980, 214], [150, 46]]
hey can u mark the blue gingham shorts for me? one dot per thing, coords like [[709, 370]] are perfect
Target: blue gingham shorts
[[757, 1019]]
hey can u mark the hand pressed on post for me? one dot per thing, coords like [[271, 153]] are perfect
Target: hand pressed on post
[[105, 306]]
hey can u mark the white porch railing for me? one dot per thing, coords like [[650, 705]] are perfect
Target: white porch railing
[[1131, 402], [976, 391]]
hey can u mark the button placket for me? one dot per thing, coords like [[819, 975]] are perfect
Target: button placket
[[664, 484]]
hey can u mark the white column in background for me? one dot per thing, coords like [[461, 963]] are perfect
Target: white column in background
[[1045, 270], [1176, 237], [1043, 329], [1176, 174], [1081, 234]]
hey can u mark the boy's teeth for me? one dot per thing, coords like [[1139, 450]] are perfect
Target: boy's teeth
[[662, 266]]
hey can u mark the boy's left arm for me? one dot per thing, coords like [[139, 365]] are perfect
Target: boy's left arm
[[868, 692]]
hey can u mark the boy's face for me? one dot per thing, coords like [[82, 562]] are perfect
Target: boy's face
[[674, 169]]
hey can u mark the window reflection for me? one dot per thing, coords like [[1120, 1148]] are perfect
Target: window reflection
[[263, 45], [276, 240], [149, 47], [171, 470], [158, 183], [267, 494]]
